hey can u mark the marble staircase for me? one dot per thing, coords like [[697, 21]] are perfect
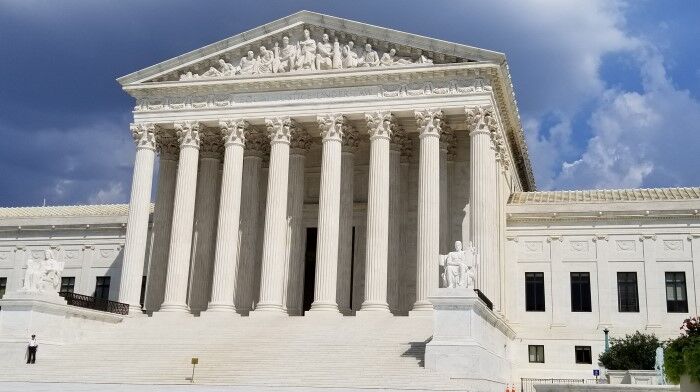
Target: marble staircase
[[314, 351]]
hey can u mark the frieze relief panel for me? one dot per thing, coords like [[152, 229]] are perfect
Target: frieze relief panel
[[626, 248], [579, 248], [533, 249], [73, 256], [673, 248], [106, 255], [214, 101], [307, 49], [6, 257]]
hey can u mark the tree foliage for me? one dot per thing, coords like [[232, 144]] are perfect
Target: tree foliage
[[682, 355], [633, 352]]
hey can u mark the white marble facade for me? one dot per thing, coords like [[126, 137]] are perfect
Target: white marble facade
[[387, 150]]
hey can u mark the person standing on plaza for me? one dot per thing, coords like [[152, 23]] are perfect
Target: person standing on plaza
[[31, 350]]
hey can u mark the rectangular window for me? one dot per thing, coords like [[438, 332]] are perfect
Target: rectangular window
[[627, 293], [3, 286], [583, 354], [676, 295], [534, 291], [580, 292], [102, 287], [67, 284], [535, 353]]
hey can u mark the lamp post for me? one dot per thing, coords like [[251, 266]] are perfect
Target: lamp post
[[607, 342]]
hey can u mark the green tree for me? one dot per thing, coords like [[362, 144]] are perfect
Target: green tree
[[633, 352], [682, 355]]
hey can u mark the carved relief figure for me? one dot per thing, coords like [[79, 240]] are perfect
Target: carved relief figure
[[287, 56], [390, 58], [264, 61], [337, 58], [324, 54], [306, 50], [459, 267], [225, 69], [247, 64], [349, 56], [370, 58]]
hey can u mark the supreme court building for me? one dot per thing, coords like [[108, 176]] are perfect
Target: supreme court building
[[316, 167]]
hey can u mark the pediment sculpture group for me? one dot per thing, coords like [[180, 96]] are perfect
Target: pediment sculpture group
[[43, 275], [306, 54], [458, 268]]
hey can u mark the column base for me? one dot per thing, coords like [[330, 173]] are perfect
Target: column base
[[268, 310], [422, 308], [174, 308], [330, 307], [136, 311], [375, 309], [323, 311], [220, 308]]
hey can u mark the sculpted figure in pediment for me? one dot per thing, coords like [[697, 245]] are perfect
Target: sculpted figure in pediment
[[306, 50], [350, 58], [337, 57], [247, 64], [225, 69], [286, 60], [265, 61], [370, 58], [324, 53], [390, 58], [423, 60]]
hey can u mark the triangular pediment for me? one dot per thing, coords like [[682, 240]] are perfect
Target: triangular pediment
[[265, 51]]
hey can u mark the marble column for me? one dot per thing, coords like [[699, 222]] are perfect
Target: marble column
[[205, 215], [274, 237], [407, 265], [446, 239], [294, 294], [139, 210], [332, 128], [395, 217], [175, 299], [429, 128], [483, 210], [380, 126], [250, 199], [168, 149], [345, 240], [233, 133]]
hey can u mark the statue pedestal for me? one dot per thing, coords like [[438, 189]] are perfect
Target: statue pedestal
[[469, 341], [25, 313]]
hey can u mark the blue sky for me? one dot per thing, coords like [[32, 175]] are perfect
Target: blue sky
[[609, 91]]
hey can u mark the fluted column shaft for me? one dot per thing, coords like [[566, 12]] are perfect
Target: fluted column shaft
[[162, 220], [204, 235], [250, 199], [394, 258], [328, 213], [183, 218], [139, 209], [345, 242], [295, 211], [274, 237], [226, 254], [483, 208], [429, 122], [380, 129]]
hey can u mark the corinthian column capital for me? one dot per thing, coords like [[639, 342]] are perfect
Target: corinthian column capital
[[167, 146], [332, 126], [144, 135], [279, 129], [211, 145], [481, 119], [429, 122], [188, 134], [380, 124], [234, 131]]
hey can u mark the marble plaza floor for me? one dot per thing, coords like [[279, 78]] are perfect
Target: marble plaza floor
[[81, 387]]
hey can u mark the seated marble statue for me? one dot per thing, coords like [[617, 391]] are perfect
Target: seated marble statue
[[370, 58], [324, 53], [247, 64], [287, 57], [44, 275], [458, 267]]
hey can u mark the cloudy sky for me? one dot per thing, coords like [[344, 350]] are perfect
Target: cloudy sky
[[609, 92]]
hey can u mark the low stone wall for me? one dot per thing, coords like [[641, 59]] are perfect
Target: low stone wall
[[605, 388], [643, 377]]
